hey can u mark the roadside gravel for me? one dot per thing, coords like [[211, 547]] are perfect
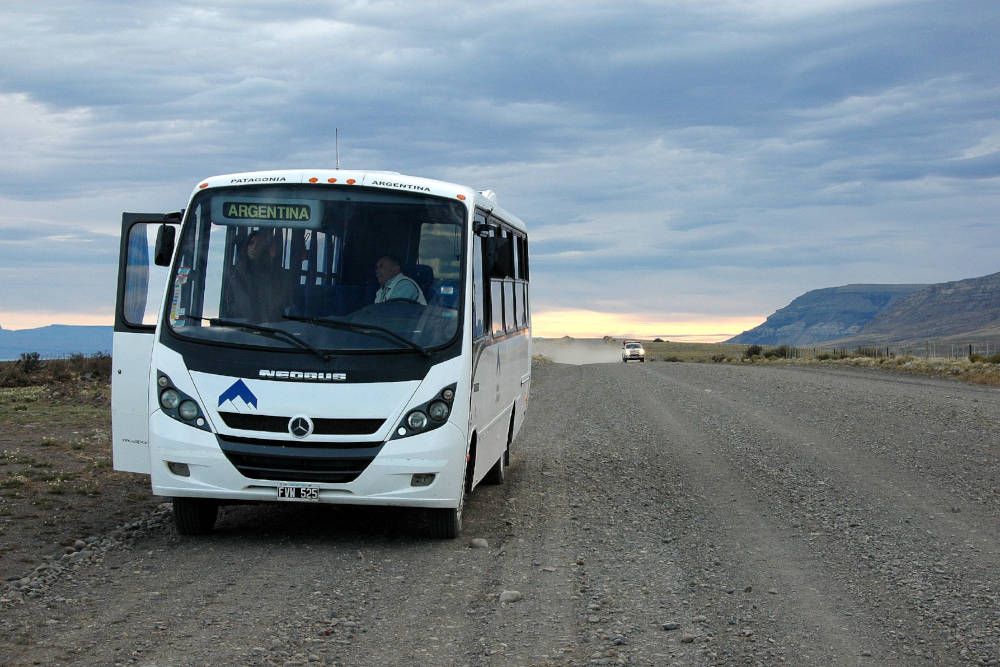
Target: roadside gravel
[[654, 514]]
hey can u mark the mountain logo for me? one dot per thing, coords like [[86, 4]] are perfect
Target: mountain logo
[[239, 397]]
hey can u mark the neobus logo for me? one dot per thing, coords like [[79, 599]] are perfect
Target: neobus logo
[[303, 376]]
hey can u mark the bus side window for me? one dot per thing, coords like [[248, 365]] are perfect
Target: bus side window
[[508, 306], [478, 291], [496, 301], [519, 290]]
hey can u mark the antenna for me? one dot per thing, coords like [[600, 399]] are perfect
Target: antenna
[[336, 141]]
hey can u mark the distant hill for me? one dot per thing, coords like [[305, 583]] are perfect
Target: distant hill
[[825, 314], [960, 311], [55, 340]]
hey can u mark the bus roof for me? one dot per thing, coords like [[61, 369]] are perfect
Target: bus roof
[[389, 180]]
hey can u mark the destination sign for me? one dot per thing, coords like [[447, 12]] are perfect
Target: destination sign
[[241, 211]]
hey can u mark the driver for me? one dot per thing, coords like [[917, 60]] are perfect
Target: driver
[[393, 284]]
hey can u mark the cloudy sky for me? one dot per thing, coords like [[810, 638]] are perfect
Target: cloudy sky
[[686, 167]]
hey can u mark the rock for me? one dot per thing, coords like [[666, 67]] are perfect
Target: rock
[[478, 543], [772, 591], [671, 626], [687, 639], [748, 589], [79, 544], [507, 597]]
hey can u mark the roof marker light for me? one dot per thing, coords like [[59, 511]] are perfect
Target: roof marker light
[[462, 197], [314, 180], [203, 185], [331, 180], [351, 181]]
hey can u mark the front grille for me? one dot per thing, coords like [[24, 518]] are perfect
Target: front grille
[[291, 461], [321, 426]]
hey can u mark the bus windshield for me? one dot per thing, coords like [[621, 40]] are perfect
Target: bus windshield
[[334, 269]]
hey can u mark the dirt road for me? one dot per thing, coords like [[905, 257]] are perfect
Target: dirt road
[[654, 514]]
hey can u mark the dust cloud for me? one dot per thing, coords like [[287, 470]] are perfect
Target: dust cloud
[[577, 351]]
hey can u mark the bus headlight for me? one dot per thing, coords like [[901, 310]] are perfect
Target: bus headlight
[[417, 420], [178, 405], [427, 416], [188, 410], [170, 399], [438, 410]]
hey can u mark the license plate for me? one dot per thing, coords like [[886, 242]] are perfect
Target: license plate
[[304, 493]]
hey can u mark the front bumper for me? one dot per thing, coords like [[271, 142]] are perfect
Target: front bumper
[[385, 481]]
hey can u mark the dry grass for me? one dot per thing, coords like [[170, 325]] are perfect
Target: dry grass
[[30, 370], [692, 352], [976, 372], [981, 371]]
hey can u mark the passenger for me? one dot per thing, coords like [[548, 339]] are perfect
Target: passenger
[[393, 284], [258, 289]]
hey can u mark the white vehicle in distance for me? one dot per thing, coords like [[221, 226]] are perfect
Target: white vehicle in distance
[[632, 350], [325, 336]]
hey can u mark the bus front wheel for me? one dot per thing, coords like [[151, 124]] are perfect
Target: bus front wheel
[[195, 516], [446, 523]]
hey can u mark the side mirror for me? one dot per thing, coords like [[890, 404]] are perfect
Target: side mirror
[[484, 229], [164, 245]]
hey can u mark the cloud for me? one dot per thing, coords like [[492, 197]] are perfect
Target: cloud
[[681, 157]]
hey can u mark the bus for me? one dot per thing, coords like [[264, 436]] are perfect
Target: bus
[[321, 336]]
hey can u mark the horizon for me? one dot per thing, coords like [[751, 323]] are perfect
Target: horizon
[[549, 328]]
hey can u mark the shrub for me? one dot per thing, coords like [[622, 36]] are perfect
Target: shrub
[[823, 356], [780, 352], [993, 358], [671, 358], [752, 351], [719, 358], [30, 362]]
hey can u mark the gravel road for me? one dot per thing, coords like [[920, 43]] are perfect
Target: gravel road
[[658, 513]]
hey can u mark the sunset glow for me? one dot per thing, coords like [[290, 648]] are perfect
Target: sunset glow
[[41, 318], [577, 323], [594, 324]]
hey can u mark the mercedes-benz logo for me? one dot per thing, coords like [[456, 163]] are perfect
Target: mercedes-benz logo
[[300, 426]]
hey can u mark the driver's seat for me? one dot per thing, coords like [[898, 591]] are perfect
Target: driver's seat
[[423, 275]]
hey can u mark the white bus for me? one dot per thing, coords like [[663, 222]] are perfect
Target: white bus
[[324, 336]]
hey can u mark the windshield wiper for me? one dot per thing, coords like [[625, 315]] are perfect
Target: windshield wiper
[[272, 331], [361, 328]]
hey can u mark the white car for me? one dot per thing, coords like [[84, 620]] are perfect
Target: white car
[[633, 351]]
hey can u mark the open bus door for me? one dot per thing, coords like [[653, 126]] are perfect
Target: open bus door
[[146, 247]]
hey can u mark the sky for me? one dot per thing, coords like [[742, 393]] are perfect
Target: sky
[[685, 167]]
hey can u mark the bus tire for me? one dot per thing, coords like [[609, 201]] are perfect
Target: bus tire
[[446, 523], [498, 473], [195, 516]]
